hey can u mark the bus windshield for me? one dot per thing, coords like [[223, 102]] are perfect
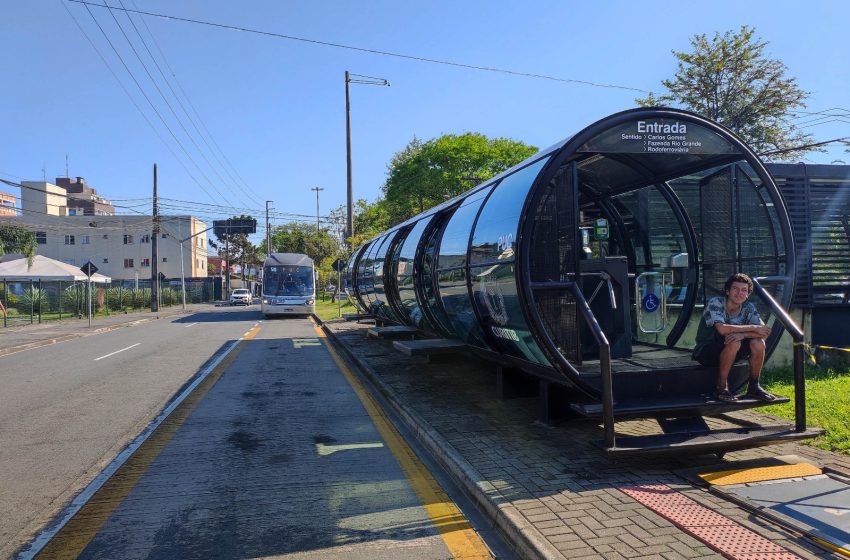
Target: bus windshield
[[287, 281]]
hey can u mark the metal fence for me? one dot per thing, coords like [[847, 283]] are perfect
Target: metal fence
[[39, 301]]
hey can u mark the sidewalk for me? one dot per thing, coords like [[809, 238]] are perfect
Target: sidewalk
[[28, 336], [550, 491]]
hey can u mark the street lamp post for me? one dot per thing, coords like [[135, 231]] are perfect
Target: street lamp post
[[182, 268], [357, 79], [317, 189]]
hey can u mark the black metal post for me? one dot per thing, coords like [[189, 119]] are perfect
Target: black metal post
[[5, 303], [40, 291], [32, 303], [154, 252]]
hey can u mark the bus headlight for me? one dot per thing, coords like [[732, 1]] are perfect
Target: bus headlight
[[265, 301], [311, 301]]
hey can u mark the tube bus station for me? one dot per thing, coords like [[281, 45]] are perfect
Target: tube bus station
[[588, 266]]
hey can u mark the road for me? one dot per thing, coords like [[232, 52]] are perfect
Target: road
[[282, 456]]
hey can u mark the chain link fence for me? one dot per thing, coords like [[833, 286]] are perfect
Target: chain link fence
[[36, 301]]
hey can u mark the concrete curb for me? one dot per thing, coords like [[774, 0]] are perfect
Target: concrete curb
[[55, 340], [526, 540]]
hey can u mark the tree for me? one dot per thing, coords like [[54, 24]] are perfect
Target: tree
[[303, 238], [237, 248], [17, 239], [423, 175], [369, 221], [729, 79]]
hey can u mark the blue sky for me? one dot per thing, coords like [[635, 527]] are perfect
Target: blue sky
[[276, 107]]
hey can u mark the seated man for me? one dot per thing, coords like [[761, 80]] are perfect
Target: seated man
[[731, 330]]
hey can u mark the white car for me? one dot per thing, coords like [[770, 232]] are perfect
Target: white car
[[241, 297]]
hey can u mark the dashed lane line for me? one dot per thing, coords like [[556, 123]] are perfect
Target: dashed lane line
[[117, 351]]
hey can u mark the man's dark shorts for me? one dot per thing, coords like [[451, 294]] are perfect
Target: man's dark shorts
[[709, 355]]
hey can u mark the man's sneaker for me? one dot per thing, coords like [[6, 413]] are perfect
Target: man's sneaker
[[724, 395], [758, 393]]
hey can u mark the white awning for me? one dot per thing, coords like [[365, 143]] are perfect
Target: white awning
[[46, 269]]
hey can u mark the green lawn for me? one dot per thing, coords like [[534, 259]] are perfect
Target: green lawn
[[327, 310], [827, 403]]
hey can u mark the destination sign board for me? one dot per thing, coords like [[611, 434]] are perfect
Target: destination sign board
[[659, 136]]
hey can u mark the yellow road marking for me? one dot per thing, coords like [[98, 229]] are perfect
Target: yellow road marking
[[76, 535], [459, 537], [760, 474]]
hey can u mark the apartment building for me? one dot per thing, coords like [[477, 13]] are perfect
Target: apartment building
[[7, 205], [83, 200], [120, 246]]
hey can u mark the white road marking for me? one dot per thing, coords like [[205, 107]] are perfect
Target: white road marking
[[301, 342], [190, 325], [117, 351], [323, 449]]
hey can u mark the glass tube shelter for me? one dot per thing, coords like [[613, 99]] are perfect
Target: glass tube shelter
[[644, 214]]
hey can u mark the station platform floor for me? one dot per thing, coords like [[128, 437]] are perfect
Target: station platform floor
[[556, 494], [278, 453]]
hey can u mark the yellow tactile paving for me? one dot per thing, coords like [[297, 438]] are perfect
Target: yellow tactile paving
[[759, 474]]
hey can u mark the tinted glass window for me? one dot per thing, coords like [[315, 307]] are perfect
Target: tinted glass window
[[404, 278], [437, 316], [495, 294], [496, 230], [458, 307], [455, 241]]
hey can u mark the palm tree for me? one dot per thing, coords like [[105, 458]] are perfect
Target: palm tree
[[16, 239]]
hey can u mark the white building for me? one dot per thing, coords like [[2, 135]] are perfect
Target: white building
[[120, 246], [41, 197]]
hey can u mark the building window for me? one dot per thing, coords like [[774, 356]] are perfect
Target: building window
[[41, 237], [85, 240], [164, 235], [69, 240], [128, 263], [128, 239], [105, 261], [72, 211], [106, 236], [164, 259], [145, 239], [145, 262]]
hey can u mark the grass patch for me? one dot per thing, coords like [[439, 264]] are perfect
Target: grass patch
[[827, 403], [327, 310]]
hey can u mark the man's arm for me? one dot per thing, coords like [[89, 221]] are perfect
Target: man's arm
[[732, 333]]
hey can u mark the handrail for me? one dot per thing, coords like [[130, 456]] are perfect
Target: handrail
[[604, 364], [799, 357]]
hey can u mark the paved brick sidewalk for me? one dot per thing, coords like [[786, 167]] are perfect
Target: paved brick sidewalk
[[548, 487], [26, 336]]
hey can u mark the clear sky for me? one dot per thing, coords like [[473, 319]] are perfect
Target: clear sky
[[276, 107]]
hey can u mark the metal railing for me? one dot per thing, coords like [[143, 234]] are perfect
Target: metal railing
[[604, 363], [799, 360]]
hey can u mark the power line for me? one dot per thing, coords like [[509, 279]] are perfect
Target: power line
[[159, 90], [247, 190], [132, 100], [376, 51]]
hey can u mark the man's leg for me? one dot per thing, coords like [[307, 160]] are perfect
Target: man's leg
[[727, 358], [757, 349]]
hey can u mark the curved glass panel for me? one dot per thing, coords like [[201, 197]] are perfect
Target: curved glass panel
[[495, 295], [365, 278], [455, 240], [427, 288], [454, 292], [380, 305], [404, 275], [376, 265], [496, 230]]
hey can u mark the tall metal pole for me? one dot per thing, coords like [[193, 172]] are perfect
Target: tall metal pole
[[268, 231], [349, 223], [154, 252], [317, 189], [183, 275]]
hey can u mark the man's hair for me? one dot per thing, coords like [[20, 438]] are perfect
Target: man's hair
[[738, 277]]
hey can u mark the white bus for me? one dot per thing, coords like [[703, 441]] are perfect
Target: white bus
[[289, 285]]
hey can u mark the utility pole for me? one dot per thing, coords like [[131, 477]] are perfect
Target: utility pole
[[349, 220], [317, 189], [154, 253], [268, 231], [369, 81]]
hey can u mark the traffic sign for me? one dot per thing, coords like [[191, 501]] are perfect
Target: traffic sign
[[338, 265], [88, 269]]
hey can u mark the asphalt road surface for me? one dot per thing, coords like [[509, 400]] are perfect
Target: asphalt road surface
[[280, 453]]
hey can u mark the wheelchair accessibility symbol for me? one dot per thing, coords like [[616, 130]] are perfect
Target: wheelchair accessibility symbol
[[650, 303]]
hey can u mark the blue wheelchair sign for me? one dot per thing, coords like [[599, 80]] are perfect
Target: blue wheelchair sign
[[650, 303]]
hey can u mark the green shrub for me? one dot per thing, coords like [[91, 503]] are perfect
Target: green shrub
[[31, 300]]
